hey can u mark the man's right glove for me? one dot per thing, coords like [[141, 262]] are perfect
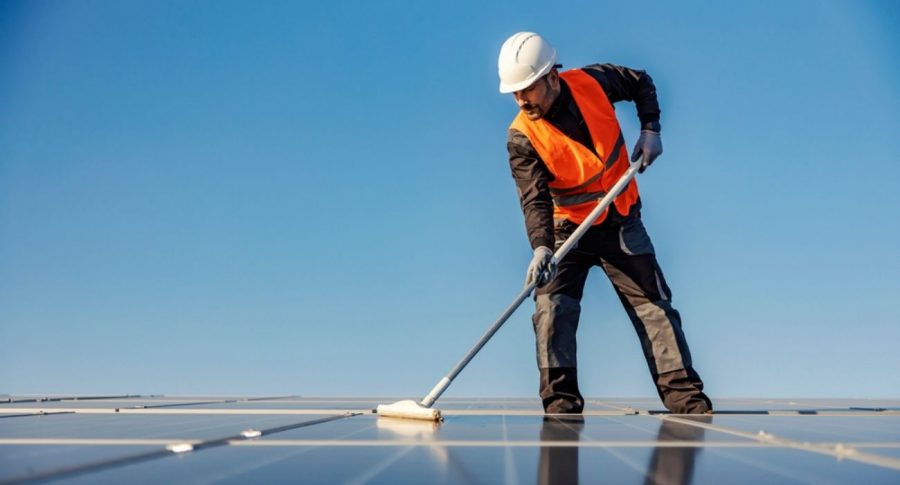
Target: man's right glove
[[649, 145], [542, 267]]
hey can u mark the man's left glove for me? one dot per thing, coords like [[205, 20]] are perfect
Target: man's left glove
[[650, 145], [542, 267]]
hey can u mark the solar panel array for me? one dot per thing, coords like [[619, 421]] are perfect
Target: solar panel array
[[166, 439]]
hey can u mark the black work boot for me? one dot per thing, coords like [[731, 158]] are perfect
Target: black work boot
[[559, 391], [681, 392]]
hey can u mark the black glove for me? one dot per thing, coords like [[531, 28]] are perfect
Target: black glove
[[649, 145]]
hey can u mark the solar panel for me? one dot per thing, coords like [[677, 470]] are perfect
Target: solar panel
[[185, 439]]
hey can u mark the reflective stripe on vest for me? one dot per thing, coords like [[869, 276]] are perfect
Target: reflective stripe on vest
[[582, 176], [575, 199]]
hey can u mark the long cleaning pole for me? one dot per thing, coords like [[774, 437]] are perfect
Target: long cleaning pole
[[607, 199]]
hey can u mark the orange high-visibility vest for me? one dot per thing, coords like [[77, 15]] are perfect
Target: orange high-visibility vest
[[582, 177]]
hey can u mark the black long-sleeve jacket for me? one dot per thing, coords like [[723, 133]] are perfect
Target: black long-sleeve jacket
[[531, 173]]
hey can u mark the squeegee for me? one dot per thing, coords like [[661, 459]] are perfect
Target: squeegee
[[423, 409]]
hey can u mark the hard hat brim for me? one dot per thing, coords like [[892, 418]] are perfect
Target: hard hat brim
[[511, 88]]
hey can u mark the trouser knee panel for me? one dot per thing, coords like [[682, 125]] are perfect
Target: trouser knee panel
[[555, 323], [659, 327]]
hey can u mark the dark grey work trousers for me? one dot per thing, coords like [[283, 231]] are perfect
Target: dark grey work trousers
[[626, 254]]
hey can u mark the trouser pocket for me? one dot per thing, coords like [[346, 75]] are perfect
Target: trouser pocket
[[562, 230]]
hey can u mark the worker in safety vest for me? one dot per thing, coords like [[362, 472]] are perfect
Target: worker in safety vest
[[565, 150]]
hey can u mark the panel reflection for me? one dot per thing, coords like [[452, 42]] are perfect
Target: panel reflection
[[675, 464], [559, 464]]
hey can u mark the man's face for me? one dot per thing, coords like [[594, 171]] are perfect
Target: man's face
[[535, 100]]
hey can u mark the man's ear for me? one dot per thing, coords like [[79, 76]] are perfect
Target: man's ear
[[553, 77]]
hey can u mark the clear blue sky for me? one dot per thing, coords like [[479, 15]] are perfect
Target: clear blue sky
[[314, 198]]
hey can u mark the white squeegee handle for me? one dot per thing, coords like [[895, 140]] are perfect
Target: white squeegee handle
[[607, 199]]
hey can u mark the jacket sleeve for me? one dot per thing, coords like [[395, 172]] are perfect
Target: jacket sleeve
[[625, 84], [532, 176]]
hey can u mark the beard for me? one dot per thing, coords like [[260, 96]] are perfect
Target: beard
[[533, 111]]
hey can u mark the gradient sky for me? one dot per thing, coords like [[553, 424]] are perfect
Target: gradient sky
[[314, 198]]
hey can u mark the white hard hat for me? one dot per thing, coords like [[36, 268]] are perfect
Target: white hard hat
[[524, 58]]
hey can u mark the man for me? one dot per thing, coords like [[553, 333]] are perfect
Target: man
[[565, 151]]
